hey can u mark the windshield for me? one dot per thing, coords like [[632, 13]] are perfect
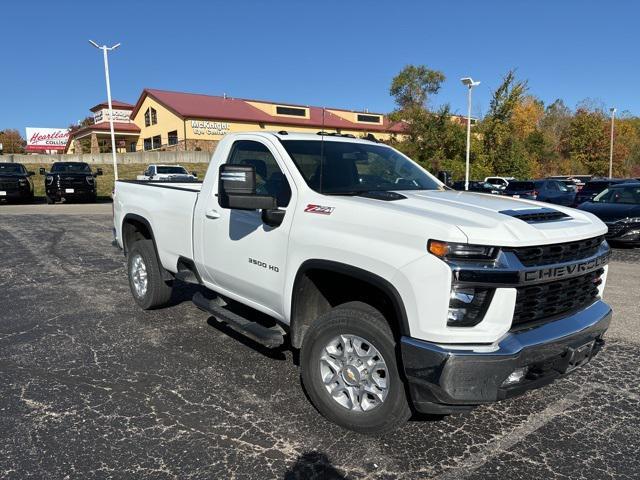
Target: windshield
[[626, 195], [521, 186], [172, 170], [350, 168], [70, 168], [11, 168], [594, 187]]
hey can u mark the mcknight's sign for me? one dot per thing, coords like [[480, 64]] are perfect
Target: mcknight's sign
[[205, 127]]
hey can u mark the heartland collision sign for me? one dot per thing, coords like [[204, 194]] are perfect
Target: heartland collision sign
[[39, 139]]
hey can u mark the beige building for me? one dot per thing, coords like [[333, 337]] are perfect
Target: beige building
[[163, 120]]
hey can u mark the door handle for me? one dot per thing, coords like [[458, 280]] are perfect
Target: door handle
[[212, 213]]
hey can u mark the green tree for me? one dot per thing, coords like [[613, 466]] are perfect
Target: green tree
[[431, 138], [413, 85]]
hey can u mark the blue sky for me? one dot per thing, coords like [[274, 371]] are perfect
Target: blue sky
[[331, 53]]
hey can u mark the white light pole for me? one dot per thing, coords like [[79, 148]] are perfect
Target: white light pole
[[468, 81], [106, 49], [613, 115]]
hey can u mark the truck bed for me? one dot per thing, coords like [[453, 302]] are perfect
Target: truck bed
[[168, 207]]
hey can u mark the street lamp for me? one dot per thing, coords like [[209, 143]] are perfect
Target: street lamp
[[469, 83], [106, 49], [613, 114]]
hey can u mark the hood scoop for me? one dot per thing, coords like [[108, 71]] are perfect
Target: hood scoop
[[537, 215], [383, 195]]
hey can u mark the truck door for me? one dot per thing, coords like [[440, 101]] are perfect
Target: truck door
[[242, 255]]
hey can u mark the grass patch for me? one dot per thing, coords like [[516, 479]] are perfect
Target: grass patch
[[126, 171]]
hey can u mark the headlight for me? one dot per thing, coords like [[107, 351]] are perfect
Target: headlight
[[90, 180], [22, 181], [49, 179], [467, 305], [630, 220], [461, 251]]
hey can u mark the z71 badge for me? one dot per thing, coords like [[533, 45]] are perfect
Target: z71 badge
[[319, 209]]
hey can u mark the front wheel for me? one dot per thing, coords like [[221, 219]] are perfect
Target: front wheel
[[145, 276], [350, 371]]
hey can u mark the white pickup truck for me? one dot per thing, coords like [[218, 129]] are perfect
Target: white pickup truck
[[401, 294], [171, 173]]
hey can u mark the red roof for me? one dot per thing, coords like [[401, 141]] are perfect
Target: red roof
[[115, 104], [192, 105]]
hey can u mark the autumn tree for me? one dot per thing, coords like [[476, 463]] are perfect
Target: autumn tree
[[501, 144], [585, 142], [12, 141]]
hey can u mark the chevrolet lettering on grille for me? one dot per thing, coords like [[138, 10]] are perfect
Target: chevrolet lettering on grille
[[564, 271]]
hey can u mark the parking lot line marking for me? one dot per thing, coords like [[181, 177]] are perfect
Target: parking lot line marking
[[534, 422]]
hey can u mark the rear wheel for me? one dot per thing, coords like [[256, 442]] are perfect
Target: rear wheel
[[350, 371], [145, 276]]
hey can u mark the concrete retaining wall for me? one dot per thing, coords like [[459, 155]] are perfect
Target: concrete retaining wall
[[122, 158]]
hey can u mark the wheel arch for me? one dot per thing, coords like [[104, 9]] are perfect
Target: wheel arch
[[308, 301], [135, 227]]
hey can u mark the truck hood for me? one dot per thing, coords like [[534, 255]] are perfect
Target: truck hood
[[479, 217]]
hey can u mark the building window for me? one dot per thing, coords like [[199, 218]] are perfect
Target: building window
[[369, 118], [173, 137], [150, 117], [147, 144], [132, 147], [292, 111], [157, 141]]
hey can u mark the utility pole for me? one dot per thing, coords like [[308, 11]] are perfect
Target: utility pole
[[613, 115]]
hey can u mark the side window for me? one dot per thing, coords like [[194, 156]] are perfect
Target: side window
[[269, 178]]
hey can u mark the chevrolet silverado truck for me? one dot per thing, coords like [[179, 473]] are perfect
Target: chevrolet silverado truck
[[398, 293], [68, 181], [15, 183]]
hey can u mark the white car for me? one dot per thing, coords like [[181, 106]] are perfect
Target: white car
[[400, 294], [172, 173], [499, 182]]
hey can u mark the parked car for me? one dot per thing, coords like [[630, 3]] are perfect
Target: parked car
[[551, 191], [401, 294], [69, 181], [593, 188], [168, 173], [619, 207], [499, 182], [15, 183], [475, 186]]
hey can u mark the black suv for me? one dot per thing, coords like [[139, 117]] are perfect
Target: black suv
[[15, 183], [70, 181]]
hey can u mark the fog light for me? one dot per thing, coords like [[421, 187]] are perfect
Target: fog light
[[516, 376]]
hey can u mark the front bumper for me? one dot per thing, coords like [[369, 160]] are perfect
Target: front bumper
[[446, 379], [21, 194]]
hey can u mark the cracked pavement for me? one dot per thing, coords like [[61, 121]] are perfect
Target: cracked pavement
[[93, 387]]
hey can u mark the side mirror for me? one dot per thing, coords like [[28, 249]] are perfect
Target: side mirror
[[30, 173], [99, 171], [195, 174], [42, 171], [237, 189]]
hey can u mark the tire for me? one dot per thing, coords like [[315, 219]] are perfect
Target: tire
[[357, 321], [142, 264]]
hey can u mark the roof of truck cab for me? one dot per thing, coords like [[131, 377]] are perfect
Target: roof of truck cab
[[284, 135]]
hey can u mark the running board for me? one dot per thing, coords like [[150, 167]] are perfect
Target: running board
[[187, 276], [269, 337]]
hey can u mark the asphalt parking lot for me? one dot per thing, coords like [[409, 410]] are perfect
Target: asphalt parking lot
[[93, 387]]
